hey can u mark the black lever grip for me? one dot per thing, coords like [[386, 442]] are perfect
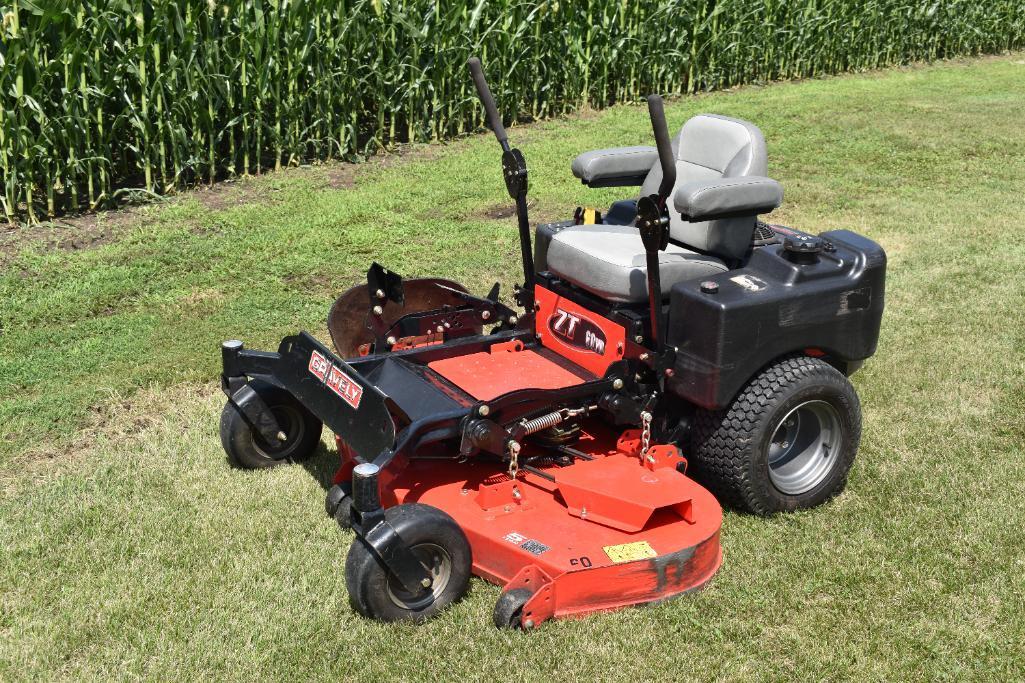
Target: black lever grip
[[494, 120], [665, 149]]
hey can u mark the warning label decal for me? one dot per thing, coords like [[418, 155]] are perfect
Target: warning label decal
[[629, 552]]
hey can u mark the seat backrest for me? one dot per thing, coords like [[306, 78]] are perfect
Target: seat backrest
[[708, 147]]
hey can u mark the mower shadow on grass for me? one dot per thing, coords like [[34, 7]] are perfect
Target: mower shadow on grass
[[322, 465]]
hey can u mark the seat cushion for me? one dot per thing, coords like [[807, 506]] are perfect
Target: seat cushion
[[608, 260], [710, 147]]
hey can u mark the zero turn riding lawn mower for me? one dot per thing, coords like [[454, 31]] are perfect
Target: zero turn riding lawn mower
[[550, 448]]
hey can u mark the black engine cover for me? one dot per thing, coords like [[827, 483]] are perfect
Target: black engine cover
[[774, 306]]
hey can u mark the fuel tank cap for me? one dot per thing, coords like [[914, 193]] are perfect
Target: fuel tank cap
[[803, 244], [802, 249]]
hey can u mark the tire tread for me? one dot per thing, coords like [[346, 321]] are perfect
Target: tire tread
[[722, 440]]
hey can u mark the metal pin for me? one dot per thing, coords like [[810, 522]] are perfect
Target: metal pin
[[379, 293], [483, 411], [282, 436], [391, 341], [617, 384], [513, 320], [378, 310], [485, 315]]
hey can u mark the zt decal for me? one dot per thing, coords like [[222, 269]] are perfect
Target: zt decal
[[577, 331]]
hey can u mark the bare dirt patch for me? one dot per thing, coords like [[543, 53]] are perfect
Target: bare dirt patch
[[505, 210], [341, 176], [314, 282], [219, 196], [69, 234]]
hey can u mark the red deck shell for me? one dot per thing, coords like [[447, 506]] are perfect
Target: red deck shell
[[552, 537], [536, 541]]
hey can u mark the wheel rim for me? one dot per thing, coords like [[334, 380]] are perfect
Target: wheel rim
[[291, 424], [438, 563], [804, 447]]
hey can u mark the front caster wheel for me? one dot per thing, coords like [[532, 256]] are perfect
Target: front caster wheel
[[246, 447], [786, 442], [440, 545], [509, 608]]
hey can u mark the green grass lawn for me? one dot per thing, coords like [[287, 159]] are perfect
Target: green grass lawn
[[129, 548]]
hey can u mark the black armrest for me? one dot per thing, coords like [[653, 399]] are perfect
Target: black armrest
[[616, 167], [705, 200]]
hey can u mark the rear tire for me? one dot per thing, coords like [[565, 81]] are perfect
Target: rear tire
[[246, 447], [437, 541], [787, 442]]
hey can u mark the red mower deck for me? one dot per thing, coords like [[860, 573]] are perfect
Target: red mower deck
[[607, 533]]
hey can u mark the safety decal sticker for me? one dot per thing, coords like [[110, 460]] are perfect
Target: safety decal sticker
[[335, 379], [535, 547], [630, 552], [750, 283], [528, 544]]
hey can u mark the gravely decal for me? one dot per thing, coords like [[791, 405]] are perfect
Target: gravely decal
[[319, 366], [577, 331], [336, 380]]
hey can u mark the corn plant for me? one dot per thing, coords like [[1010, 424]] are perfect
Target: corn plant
[[101, 96]]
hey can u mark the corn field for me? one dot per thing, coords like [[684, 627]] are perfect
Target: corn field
[[103, 97]]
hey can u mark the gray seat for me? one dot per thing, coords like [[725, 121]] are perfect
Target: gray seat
[[609, 260]]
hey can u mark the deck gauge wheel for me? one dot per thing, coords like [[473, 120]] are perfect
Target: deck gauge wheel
[[509, 608], [338, 504]]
